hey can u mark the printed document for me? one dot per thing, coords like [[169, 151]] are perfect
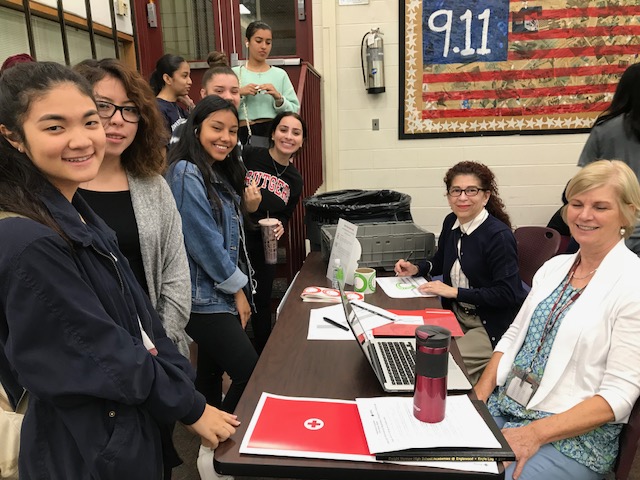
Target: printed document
[[389, 425], [402, 287]]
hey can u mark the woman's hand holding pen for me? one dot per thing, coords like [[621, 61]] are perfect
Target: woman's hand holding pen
[[403, 268]]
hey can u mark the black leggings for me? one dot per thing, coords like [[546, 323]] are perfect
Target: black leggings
[[259, 129], [223, 346], [264, 275]]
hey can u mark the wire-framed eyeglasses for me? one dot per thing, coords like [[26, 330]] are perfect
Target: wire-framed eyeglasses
[[107, 110], [469, 191]]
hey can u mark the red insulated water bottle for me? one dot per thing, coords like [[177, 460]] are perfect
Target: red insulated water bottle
[[432, 359]]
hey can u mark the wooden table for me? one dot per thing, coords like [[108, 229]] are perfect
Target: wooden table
[[292, 365]]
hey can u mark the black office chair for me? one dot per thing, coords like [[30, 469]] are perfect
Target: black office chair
[[536, 245]]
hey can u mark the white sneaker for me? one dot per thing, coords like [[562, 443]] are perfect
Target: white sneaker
[[205, 465]]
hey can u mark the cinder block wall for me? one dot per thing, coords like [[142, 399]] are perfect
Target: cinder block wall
[[532, 170]]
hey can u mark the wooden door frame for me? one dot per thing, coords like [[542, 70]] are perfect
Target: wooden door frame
[[225, 12]]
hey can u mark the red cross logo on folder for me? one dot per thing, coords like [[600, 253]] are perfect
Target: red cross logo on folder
[[313, 424]]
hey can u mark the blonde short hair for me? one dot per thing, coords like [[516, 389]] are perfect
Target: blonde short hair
[[614, 173]]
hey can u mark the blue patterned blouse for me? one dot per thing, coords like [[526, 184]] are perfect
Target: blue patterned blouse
[[596, 449]]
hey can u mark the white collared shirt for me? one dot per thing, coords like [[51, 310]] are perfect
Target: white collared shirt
[[458, 278]]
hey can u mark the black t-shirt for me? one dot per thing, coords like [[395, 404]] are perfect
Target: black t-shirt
[[280, 186], [116, 209], [173, 114]]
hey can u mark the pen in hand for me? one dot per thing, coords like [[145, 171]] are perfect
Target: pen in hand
[[335, 324], [407, 259]]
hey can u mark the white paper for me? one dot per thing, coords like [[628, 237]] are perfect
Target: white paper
[[321, 330], [389, 425], [488, 467], [345, 247], [402, 287]]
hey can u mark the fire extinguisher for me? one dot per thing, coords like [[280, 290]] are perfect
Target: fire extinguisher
[[372, 53]]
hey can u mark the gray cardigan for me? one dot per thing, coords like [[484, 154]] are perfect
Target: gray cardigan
[[163, 255]]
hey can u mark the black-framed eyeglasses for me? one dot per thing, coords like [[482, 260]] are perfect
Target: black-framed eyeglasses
[[107, 110], [469, 191]]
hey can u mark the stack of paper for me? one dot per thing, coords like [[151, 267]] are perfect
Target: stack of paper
[[363, 429]]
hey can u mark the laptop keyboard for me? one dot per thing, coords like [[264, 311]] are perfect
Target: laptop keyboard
[[400, 358]]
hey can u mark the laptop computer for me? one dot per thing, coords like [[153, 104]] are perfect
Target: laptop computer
[[393, 359]]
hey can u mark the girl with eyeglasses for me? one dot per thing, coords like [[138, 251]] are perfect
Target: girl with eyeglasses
[[478, 260], [131, 196]]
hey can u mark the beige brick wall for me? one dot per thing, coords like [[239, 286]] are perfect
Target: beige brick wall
[[531, 169]]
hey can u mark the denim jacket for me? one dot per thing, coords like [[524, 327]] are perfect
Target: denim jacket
[[212, 239]]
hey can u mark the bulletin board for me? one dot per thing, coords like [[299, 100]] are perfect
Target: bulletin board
[[495, 67]]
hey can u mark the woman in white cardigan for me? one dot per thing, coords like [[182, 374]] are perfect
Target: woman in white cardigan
[[567, 371]]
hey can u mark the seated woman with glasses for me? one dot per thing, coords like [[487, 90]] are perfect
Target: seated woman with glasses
[[132, 197], [478, 259]]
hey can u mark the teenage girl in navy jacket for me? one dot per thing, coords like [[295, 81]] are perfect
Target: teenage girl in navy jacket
[[76, 329]]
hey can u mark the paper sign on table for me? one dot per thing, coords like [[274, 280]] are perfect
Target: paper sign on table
[[347, 248]]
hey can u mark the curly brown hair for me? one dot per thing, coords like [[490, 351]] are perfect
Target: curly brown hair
[[146, 155], [487, 181]]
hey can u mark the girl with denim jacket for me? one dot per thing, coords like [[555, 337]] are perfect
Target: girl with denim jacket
[[206, 178]]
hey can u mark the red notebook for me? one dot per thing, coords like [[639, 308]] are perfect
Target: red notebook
[[306, 427], [430, 316]]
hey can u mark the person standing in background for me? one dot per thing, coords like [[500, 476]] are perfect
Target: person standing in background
[[265, 90], [280, 183], [171, 82], [616, 133]]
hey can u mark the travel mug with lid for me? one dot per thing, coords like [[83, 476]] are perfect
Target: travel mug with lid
[[432, 359]]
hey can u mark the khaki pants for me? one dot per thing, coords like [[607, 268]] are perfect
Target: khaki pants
[[475, 346]]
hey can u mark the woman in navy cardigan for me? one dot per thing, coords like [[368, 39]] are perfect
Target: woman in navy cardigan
[[478, 259]]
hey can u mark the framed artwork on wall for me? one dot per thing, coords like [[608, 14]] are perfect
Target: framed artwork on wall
[[499, 67]]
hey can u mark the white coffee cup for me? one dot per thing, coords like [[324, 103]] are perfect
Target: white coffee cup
[[364, 280]]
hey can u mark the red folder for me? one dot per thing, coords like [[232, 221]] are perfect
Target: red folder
[[430, 316], [304, 427]]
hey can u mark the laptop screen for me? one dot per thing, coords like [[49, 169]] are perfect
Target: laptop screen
[[354, 323]]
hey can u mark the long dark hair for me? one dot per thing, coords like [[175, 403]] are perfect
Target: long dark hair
[[145, 156], [626, 101], [487, 181], [190, 149], [20, 180], [166, 64]]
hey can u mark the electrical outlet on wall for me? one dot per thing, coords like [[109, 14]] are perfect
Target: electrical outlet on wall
[[375, 124], [122, 7]]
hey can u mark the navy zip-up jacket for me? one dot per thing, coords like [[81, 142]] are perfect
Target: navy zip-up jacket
[[69, 334]]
